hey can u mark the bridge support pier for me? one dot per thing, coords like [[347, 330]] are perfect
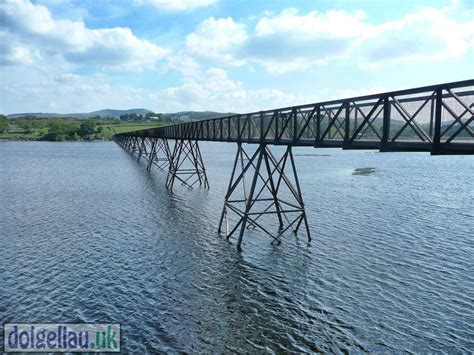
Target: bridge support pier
[[186, 165], [131, 144], [160, 154], [183, 162], [274, 190], [142, 148]]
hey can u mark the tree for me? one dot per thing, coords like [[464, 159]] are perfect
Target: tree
[[87, 128], [4, 124], [57, 131], [149, 116], [25, 125], [111, 119]]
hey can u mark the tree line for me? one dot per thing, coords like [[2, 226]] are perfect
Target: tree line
[[4, 124], [148, 117], [60, 130], [73, 128]]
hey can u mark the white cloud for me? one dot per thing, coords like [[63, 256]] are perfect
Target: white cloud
[[33, 28], [183, 63], [426, 35], [281, 42], [212, 89], [291, 41], [218, 39], [176, 5], [13, 54]]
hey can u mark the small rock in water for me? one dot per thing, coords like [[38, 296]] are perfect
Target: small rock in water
[[363, 171]]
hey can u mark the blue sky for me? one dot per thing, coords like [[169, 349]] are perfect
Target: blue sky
[[239, 56]]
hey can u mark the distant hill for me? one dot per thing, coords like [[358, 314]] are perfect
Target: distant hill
[[183, 115], [117, 113], [82, 115]]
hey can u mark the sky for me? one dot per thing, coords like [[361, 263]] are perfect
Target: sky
[[228, 56]]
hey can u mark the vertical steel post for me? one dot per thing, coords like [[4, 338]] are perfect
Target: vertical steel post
[[347, 123], [273, 190], [300, 196], [432, 111], [295, 125], [277, 119], [248, 205], [386, 123], [228, 193], [435, 148], [239, 133], [152, 154], [318, 126]]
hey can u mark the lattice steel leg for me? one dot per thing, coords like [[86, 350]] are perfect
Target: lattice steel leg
[[160, 154], [272, 192], [186, 165]]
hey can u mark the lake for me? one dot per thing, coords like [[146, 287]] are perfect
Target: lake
[[88, 235]]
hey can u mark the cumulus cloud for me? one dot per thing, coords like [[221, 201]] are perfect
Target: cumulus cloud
[[428, 34], [27, 28], [52, 90], [176, 5], [292, 41], [182, 63], [218, 39], [12, 54], [212, 89]]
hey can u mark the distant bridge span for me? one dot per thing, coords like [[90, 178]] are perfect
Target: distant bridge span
[[438, 119]]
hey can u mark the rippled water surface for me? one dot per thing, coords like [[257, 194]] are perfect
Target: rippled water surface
[[88, 235]]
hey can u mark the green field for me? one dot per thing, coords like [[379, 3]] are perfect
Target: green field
[[104, 131], [121, 128], [21, 135]]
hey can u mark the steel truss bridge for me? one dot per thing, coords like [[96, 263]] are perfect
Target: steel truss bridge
[[438, 119]]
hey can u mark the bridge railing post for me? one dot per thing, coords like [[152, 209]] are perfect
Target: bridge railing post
[[317, 140], [347, 123], [295, 125], [385, 123], [435, 147]]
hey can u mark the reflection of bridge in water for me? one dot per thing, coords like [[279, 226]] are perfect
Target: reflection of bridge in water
[[436, 119]]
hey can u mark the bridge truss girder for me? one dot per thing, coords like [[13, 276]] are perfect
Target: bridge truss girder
[[437, 119]]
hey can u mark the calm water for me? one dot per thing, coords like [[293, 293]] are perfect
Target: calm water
[[87, 235]]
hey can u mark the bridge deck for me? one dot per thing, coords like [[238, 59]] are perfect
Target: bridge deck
[[438, 119]]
